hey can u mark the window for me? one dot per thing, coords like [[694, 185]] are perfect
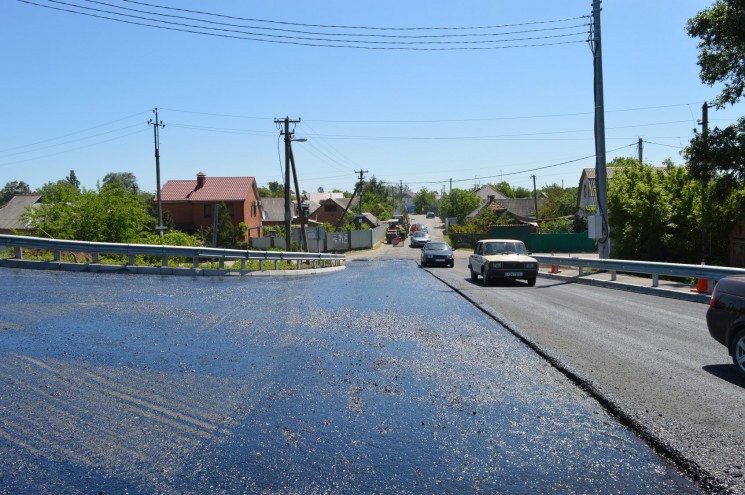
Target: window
[[230, 209], [207, 211], [331, 207]]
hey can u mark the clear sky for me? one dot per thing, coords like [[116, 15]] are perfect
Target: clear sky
[[78, 90]]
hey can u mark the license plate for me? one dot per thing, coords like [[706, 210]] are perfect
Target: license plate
[[513, 274]]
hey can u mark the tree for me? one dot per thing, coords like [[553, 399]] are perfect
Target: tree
[[458, 203], [560, 202], [721, 57], [652, 212], [425, 201], [11, 189], [124, 180], [518, 192], [276, 190], [110, 214], [72, 179]]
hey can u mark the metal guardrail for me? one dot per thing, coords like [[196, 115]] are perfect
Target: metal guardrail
[[18, 243], [677, 270]]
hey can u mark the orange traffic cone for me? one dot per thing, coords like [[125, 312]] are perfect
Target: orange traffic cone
[[553, 267], [702, 287]]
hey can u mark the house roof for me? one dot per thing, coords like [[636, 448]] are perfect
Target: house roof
[[10, 213], [213, 189], [275, 208], [484, 192], [590, 173], [522, 208], [318, 197]]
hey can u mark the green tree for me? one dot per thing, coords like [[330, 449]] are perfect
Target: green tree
[[276, 190], [106, 215], [458, 203], [11, 189], [559, 202], [652, 212], [124, 180], [72, 179], [518, 192], [721, 29], [425, 201]]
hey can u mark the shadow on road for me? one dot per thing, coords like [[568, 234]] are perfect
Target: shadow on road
[[725, 372]]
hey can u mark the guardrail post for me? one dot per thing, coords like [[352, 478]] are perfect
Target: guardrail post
[[57, 255], [94, 258], [243, 264], [18, 252], [221, 263], [276, 264], [165, 260], [195, 262], [655, 280], [613, 275], [581, 270], [131, 260]]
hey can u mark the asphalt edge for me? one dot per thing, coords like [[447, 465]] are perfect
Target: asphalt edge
[[161, 270], [691, 469]]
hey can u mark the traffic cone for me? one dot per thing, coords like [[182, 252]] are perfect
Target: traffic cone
[[553, 267], [702, 287]]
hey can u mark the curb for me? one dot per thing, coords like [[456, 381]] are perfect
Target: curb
[[160, 270]]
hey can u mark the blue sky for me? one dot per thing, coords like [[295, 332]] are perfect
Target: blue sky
[[77, 92]]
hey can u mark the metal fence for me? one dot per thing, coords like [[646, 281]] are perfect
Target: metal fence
[[675, 270], [19, 243]]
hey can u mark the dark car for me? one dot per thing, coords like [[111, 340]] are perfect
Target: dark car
[[430, 214], [437, 253], [726, 318]]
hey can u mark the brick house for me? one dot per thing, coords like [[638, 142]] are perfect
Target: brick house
[[331, 210], [191, 203]]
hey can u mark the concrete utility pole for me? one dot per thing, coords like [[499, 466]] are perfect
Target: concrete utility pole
[[156, 124], [362, 182], [704, 207], [535, 199], [641, 151], [601, 174], [300, 212], [288, 213]]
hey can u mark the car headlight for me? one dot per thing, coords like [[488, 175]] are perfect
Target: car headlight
[[529, 265], [495, 265]]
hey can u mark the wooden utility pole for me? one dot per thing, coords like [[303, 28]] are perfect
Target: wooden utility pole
[[705, 185], [300, 213], [156, 124], [288, 210], [361, 184], [535, 200]]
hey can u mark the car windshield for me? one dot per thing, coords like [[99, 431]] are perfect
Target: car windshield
[[419, 233], [438, 246], [505, 248]]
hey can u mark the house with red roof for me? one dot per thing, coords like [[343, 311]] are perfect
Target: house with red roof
[[191, 203]]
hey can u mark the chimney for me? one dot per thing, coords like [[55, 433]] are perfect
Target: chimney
[[201, 177]]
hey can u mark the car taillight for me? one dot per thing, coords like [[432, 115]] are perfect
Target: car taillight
[[712, 303]]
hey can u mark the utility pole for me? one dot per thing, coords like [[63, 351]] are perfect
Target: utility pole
[[641, 151], [288, 213], [362, 182], [156, 124], [401, 195], [535, 199], [704, 207], [601, 173], [451, 186], [300, 212]]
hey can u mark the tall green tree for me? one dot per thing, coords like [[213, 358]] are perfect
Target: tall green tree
[[512, 192], [12, 188], [425, 201], [72, 179], [458, 203], [125, 180], [560, 202], [721, 57]]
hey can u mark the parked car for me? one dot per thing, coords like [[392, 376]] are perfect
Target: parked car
[[430, 214], [419, 239], [726, 318], [502, 259], [437, 253]]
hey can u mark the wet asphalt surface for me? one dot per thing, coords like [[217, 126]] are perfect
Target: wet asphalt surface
[[376, 379]]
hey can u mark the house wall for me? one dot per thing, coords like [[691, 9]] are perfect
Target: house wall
[[189, 216], [332, 217]]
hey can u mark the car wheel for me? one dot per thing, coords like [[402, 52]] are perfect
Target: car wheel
[[452, 264], [474, 275], [738, 353], [483, 275], [531, 281]]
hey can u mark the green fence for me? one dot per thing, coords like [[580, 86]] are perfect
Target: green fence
[[561, 243]]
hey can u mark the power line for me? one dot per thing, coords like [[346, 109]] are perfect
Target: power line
[[533, 41]]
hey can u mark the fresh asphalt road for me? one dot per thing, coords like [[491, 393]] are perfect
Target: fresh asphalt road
[[651, 357], [379, 378]]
